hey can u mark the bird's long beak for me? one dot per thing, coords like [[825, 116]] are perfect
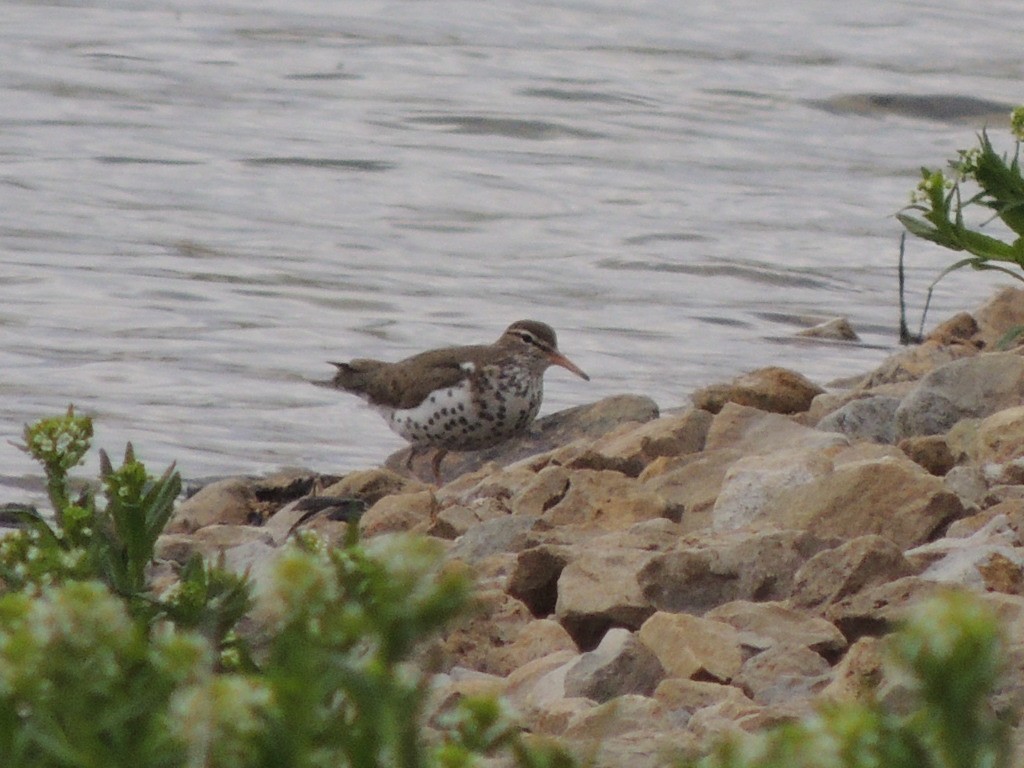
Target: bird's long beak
[[559, 359]]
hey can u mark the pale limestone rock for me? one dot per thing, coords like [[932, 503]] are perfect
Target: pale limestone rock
[[1002, 313], [988, 559], [751, 483], [686, 645], [540, 683], [535, 640], [876, 610], [534, 578], [836, 329], [457, 519], [508, 533], [914, 363]]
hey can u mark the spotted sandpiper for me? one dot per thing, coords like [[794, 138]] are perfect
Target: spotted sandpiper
[[460, 398]]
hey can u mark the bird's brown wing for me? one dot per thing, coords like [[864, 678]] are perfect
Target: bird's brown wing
[[407, 383]]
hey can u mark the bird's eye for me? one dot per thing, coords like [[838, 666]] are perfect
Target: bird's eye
[[528, 338]]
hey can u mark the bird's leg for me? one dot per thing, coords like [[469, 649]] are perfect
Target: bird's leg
[[435, 464]]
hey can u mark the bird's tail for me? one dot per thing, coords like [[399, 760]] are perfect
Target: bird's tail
[[351, 377]]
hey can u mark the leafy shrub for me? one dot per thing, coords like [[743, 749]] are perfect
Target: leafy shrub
[[980, 181], [96, 670], [951, 652]]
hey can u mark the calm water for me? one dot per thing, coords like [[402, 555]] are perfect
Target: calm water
[[201, 202]]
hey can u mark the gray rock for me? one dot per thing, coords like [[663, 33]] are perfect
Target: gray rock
[[620, 665], [869, 418], [511, 533], [739, 566], [783, 673], [971, 387]]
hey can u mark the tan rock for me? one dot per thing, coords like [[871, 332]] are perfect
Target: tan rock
[[988, 559], [891, 497], [709, 571], [686, 645], [624, 714], [1000, 315], [619, 665], [683, 694], [732, 717], [372, 485], [225, 502], [930, 452], [539, 683], [400, 512], [534, 578], [752, 431], [974, 387], [832, 400], [999, 438], [631, 449], [958, 329], [480, 642], [914, 363], [537, 639], [836, 329], [859, 674], [769, 624], [690, 485], [1013, 509], [209, 541], [455, 520], [750, 484], [604, 499], [858, 564], [543, 491], [876, 610], [783, 674], [505, 534], [772, 389], [599, 589]]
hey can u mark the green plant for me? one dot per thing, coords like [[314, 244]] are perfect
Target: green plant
[[96, 670], [979, 179], [950, 651], [112, 541]]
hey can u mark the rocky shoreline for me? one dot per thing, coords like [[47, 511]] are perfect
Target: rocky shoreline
[[651, 582]]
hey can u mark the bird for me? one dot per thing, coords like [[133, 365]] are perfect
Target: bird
[[459, 398]]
